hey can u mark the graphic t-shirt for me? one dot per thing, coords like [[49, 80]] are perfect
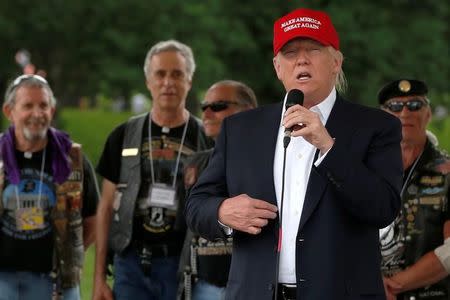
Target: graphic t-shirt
[[25, 230], [152, 224], [26, 234]]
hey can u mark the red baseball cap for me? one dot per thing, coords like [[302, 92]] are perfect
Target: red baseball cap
[[305, 23]]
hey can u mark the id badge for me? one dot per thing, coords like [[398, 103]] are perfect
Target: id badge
[[162, 195], [29, 218]]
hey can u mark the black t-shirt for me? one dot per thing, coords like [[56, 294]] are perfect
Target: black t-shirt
[[156, 225], [28, 245]]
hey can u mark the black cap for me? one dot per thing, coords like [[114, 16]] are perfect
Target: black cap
[[402, 87]]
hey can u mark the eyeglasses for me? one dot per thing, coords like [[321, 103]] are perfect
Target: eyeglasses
[[411, 105], [218, 105], [22, 78]]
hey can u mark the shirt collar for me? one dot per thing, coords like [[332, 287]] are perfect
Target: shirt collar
[[323, 108]]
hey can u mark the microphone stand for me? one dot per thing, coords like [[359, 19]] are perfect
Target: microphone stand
[[286, 141]]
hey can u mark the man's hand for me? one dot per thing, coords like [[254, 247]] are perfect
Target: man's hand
[[246, 214], [391, 288], [102, 291], [307, 124]]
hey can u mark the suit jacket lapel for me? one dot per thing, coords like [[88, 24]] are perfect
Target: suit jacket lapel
[[317, 184]]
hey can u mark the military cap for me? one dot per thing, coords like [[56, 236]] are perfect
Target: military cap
[[402, 87]]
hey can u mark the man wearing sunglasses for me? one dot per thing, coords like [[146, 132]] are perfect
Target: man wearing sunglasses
[[206, 267], [416, 246], [141, 209], [341, 179], [48, 199]]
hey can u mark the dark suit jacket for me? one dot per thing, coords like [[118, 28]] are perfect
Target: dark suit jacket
[[350, 195]]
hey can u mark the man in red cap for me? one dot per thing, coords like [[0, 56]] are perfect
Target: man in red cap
[[303, 190]]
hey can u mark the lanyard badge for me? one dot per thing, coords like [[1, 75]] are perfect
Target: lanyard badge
[[29, 218], [162, 195]]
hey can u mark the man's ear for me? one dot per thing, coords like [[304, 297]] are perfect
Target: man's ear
[[7, 111], [53, 111], [276, 66], [337, 61], [190, 84], [429, 114]]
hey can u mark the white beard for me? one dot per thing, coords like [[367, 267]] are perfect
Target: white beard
[[34, 136]]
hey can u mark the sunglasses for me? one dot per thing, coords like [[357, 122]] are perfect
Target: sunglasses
[[218, 105], [25, 77], [411, 105]]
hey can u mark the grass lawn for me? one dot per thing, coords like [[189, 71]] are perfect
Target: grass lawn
[[87, 280]]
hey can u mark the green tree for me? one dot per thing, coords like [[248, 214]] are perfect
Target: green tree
[[92, 47]]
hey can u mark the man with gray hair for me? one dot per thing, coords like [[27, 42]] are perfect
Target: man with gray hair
[[140, 212], [415, 246], [48, 198]]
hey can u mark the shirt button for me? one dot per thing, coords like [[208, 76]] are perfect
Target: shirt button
[[299, 156]]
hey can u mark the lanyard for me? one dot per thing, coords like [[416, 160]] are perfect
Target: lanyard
[[408, 177], [41, 180], [152, 171]]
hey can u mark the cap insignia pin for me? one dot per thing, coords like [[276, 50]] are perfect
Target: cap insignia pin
[[404, 86]]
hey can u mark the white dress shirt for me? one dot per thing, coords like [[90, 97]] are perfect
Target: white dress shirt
[[299, 160]]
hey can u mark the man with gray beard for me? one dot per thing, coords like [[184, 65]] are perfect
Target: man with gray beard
[[48, 199]]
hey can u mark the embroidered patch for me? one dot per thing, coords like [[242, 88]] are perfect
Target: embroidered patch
[[430, 200], [432, 180]]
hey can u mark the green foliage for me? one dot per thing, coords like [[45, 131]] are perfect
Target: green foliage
[[441, 128], [98, 47], [90, 128]]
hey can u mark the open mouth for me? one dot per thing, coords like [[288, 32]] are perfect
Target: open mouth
[[303, 76], [36, 123]]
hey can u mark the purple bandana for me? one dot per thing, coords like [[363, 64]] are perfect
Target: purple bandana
[[59, 145]]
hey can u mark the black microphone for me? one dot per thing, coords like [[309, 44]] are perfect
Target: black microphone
[[294, 97]]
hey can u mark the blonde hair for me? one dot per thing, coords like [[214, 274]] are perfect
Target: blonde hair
[[340, 81]]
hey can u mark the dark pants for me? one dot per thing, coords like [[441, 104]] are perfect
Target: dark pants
[[131, 283]]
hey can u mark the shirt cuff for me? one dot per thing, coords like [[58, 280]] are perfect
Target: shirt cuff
[[443, 254], [322, 157], [228, 231]]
